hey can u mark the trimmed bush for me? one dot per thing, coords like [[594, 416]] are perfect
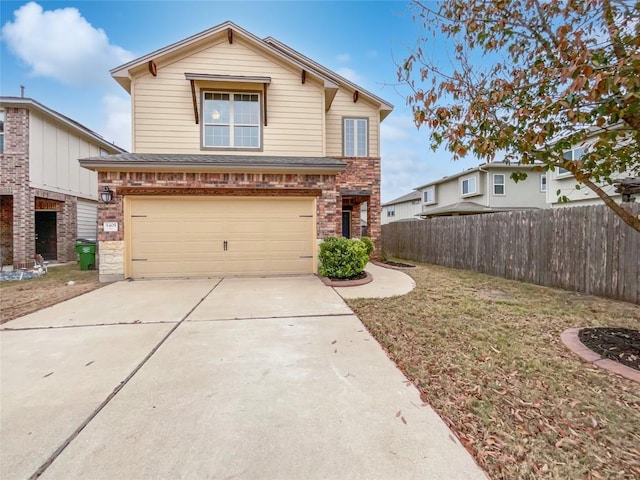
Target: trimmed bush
[[369, 244], [342, 257]]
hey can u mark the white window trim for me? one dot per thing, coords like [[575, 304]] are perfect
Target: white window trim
[[544, 185], [391, 211], [563, 172], [231, 93], [469, 194], [355, 140], [503, 184], [433, 196]]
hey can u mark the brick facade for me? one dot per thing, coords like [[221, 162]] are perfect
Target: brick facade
[[359, 175], [19, 199]]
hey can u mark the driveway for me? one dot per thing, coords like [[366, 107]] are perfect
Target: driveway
[[270, 378]]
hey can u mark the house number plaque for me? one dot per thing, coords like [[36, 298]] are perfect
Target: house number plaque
[[110, 226]]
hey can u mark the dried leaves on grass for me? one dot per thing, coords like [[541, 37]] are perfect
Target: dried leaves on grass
[[19, 298], [486, 353]]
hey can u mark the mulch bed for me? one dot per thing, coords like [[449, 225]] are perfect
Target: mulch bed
[[396, 264], [619, 344], [357, 276]]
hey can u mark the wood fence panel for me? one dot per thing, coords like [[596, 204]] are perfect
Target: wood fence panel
[[585, 249]]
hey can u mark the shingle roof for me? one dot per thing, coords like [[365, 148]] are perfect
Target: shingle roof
[[405, 198], [165, 159]]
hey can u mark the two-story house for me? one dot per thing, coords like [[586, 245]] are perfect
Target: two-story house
[[47, 200], [406, 207], [484, 189], [246, 154], [562, 183]]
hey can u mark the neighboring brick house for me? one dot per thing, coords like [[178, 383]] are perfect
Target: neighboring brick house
[[47, 200], [246, 154]]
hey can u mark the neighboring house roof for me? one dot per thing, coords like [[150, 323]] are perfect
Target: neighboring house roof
[[70, 123], [160, 160], [467, 208], [480, 168], [405, 198], [332, 81]]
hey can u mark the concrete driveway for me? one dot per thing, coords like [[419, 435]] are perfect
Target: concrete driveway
[[269, 378]]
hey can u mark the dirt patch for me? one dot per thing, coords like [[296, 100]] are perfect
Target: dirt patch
[[61, 283], [486, 354]]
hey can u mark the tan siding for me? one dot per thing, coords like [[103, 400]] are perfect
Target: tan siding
[[164, 118], [53, 159], [344, 106]]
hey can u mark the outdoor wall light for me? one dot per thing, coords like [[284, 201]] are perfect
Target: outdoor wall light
[[106, 195]]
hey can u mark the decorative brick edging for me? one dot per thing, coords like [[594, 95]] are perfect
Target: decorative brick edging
[[570, 339], [347, 283], [392, 267]]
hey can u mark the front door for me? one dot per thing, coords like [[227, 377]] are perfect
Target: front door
[[46, 236], [346, 223]]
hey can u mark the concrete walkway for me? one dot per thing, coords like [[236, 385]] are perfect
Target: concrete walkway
[[270, 378], [387, 282]]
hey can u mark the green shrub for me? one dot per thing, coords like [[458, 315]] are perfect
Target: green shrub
[[342, 257], [369, 244]]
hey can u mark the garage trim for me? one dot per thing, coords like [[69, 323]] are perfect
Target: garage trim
[[220, 191]]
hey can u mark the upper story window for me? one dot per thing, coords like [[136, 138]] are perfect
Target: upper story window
[[543, 182], [428, 196], [391, 211], [355, 133], [231, 120], [1, 131], [469, 186], [498, 184], [103, 152], [571, 155]]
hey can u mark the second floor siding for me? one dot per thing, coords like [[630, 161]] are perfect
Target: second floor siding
[[53, 159]]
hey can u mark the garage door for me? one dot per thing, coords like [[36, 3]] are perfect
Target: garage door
[[206, 236]]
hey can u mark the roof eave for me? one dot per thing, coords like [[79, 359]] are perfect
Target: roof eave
[[110, 166]]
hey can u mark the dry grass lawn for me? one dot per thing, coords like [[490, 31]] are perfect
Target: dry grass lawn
[[19, 298], [487, 355]]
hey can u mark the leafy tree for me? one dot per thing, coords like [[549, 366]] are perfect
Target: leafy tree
[[530, 79]]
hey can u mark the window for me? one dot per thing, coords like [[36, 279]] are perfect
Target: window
[[571, 155], [231, 120], [498, 184], [1, 131], [469, 186], [428, 196], [103, 152], [543, 182], [391, 211], [355, 137]]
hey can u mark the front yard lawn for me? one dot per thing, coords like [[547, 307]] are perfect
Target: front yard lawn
[[486, 354]]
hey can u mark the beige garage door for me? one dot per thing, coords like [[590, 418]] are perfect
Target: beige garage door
[[207, 236]]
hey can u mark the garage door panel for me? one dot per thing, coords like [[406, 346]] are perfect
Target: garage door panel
[[186, 236]]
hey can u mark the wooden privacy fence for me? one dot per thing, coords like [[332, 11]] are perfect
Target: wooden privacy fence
[[585, 249]]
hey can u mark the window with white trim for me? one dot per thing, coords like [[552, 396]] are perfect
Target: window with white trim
[[571, 155], [469, 186], [543, 182], [391, 211], [498, 184], [428, 196], [231, 120], [1, 131], [355, 132]]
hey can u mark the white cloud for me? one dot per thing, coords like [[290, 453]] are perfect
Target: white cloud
[[62, 45], [343, 57], [349, 74], [398, 128], [117, 124]]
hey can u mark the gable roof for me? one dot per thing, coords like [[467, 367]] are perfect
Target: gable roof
[[415, 195], [331, 80], [76, 127]]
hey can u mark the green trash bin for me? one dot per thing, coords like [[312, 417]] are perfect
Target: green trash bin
[[87, 253]]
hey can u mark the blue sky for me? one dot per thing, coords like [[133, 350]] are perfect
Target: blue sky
[[62, 52]]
